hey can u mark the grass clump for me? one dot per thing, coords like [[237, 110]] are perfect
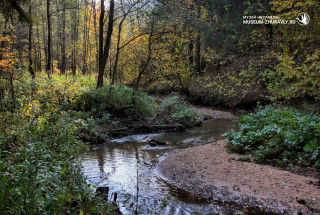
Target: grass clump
[[278, 135]]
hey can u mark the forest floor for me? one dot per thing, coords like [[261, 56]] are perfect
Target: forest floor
[[213, 173]]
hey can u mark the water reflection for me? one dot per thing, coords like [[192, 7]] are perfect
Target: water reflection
[[118, 166]]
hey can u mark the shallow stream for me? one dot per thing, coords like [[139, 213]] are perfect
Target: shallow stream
[[129, 162]]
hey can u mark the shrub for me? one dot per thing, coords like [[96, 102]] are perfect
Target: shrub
[[278, 133], [42, 175], [174, 109], [39, 171], [292, 79], [118, 100]]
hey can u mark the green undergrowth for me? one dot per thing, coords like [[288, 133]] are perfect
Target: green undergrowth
[[119, 101], [39, 149], [45, 124], [175, 109], [123, 103], [276, 135], [40, 173]]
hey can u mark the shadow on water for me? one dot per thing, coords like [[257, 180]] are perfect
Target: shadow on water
[[117, 165]]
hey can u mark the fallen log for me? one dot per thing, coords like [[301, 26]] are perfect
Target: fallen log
[[119, 131], [167, 126], [146, 129], [155, 128]]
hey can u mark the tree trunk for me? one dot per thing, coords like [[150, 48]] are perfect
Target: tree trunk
[[38, 55], [101, 68], [95, 32], [198, 57], [85, 32], [146, 63], [114, 74], [89, 46], [104, 51], [48, 67], [191, 54], [118, 51], [31, 70], [63, 45], [45, 45], [74, 39]]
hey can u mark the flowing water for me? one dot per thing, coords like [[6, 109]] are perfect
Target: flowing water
[[129, 162]]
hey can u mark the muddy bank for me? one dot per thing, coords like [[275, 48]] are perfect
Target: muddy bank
[[210, 114], [216, 175]]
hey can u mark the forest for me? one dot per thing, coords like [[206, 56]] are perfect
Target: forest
[[78, 76]]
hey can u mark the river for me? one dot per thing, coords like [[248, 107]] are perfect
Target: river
[[128, 163]]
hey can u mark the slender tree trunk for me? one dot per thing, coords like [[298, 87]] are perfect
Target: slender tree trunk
[[114, 74], [198, 45], [95, 32], [63, 45], [89, 44], [110, 68], [118, 51], [48, 67], [104, 51], [58, 36], [45, 45], [74, 40], [31, 70], [191, 54], [38, 52], [85, 32], [146, 63], [198, 56], [101, 65], [12, 89]]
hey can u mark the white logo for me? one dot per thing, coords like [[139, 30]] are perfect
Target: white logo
[[303, 18]]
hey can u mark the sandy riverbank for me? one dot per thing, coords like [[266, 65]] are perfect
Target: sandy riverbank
[[211, 172]]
